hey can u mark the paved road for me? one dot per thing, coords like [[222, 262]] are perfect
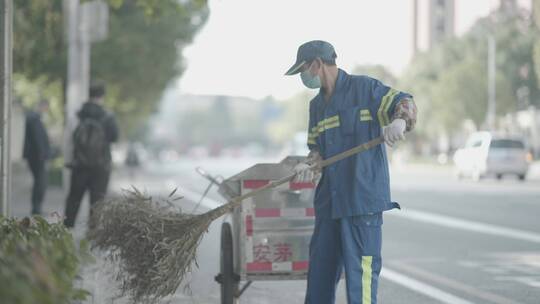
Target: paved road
[[454, 242]]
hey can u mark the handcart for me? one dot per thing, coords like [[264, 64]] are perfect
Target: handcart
[[267, 237]]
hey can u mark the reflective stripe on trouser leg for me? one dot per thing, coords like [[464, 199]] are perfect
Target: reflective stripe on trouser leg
[[366, 279], [361, 241], [325, 262], [371, 268]]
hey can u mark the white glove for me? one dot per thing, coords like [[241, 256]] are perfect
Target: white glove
[[395, 131], [304, 174], [314, 159]]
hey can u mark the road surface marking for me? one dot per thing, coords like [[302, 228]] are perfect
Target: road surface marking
[[422, 216], [452, 222], [422, 288], [386, 273], [431, 277], [527, 280]]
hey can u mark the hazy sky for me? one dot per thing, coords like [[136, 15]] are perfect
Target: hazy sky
[[247, 45]]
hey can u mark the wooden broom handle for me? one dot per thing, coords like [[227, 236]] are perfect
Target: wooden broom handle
[[360, 148], [238, 200]]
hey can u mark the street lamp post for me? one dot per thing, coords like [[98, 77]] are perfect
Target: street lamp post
[[491, 109]]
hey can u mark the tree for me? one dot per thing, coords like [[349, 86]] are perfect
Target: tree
[[38, 39], [39, 56], [142, 55], [137, 61], [450, 85], [536, 15], [376, 71]]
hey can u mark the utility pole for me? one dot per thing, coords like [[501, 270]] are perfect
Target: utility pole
[[415, 28], [6, 46], [491, 108], [73, 87], [86, 23]]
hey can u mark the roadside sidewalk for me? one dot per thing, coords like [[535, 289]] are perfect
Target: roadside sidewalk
[[54, 201], [97, 277], [22, 190]]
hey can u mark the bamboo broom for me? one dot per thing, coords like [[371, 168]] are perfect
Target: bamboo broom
[[156, 247]]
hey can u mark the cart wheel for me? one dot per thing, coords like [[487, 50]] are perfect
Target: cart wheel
[[229, 280]]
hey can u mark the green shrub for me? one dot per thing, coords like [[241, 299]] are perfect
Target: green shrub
[[38, 262]]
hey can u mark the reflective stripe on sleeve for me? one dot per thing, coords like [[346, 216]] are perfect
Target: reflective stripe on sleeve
[[386, 102]]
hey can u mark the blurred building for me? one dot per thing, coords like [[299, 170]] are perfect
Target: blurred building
[[441, 21], [186, 120], [434, 21]]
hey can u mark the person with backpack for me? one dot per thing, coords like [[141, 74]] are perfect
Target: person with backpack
[[91, 165]]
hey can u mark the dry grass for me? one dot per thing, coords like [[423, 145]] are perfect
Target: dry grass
[[154, 242]]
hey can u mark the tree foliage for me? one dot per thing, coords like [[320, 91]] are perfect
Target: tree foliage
[[137, 61], [38, 39], [450, 81], [39, 262], [376, 71], [143, 54], [536, 15]]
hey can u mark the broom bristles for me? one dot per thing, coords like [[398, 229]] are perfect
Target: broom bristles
[[154, 245]]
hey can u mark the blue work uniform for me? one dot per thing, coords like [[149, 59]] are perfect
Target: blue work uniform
[[352, 193]]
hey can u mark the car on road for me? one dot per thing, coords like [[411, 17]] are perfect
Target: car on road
[[489, 154]]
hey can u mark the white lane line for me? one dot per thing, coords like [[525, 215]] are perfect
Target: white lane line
[[388, 274], [467, 288], [422, 216], [456, 223], [422, 288]]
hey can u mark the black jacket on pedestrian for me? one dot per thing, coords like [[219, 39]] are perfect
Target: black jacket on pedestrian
[[97, 112], [94, 179], [36, 141]]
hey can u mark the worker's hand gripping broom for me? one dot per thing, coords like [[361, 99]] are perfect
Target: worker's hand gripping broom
[[157, 247]]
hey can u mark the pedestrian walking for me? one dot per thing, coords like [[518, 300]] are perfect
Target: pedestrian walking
[[36, 151], [132, 161], [91, 165], [353, 193]]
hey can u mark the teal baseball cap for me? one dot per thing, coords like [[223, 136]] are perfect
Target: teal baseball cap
[[311, 50]]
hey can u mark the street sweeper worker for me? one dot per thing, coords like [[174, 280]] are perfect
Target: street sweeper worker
[[352, 193]]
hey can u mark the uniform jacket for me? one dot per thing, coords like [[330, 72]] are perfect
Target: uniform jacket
[[358, 109]]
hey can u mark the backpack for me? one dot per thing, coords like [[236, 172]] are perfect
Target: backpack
[[90, 144]]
